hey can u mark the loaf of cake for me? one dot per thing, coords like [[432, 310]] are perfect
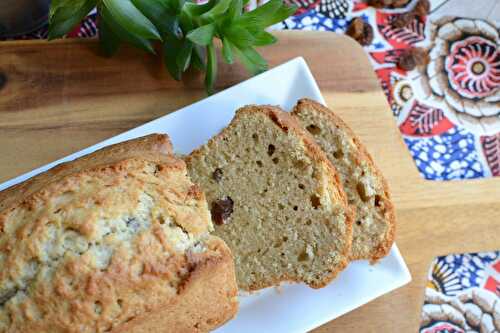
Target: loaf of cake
[[275, 199], [117, 241], [366, 188]]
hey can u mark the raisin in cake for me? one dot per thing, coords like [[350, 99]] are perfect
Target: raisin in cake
[[275, 199]]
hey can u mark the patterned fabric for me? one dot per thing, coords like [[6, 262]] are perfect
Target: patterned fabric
[[463, 294], [449, 111]]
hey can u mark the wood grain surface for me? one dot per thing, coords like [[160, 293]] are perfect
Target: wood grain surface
[[59, 97]]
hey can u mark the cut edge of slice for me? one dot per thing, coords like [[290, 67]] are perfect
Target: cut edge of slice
[[362, 154], [286, 122]]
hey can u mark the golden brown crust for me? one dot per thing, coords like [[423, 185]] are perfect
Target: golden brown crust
[[280, 118], [287, 123], [199, 307], [385, 246], [153, 145], [95, 242]]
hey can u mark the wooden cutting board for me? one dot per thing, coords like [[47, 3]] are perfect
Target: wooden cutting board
[[59, 97]]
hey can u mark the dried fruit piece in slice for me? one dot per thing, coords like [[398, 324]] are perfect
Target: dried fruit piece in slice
[[279, 206]]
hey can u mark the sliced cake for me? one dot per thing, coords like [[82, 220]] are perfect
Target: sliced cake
[[366, 188], [275, 199]]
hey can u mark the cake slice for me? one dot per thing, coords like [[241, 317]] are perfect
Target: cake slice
[[366, 188], [275, 200], [116, 241]]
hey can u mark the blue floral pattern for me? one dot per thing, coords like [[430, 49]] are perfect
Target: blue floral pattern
[[469, 268], [451, 155], [315, 21]]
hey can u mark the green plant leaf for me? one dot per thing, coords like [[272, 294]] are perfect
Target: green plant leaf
[[227, 51], [202, 35], [211, 74], [154, 10], [65, 15], [171, 47], [108, 41], [171, 24], [124, 34], [264, 38], [268, 14], [220, 8], [260, 15], [178, 5], [184, 55], [239, 36], [281, 14], [187, 30], [195, 10], [251, 60], [131, 19], [197, 58], [57, 4], [254, 56], [174, 5], [235, 10], [160, 13], [186, 22]]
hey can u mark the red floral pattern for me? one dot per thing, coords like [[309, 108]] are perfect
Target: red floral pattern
[[491, 150], [443, 328], [493, 281], [474, 67], [410, 35], [425, 121]]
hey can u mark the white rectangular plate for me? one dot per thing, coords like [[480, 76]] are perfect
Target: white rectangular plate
[[291, 308]]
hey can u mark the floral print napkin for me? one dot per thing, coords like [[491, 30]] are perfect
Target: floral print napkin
[[463, 294], [449, 110]]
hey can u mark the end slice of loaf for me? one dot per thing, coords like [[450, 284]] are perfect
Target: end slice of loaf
[[366, 188], [110, 242], [275, 199]]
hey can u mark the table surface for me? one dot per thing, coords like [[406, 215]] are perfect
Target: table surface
[[60, 97]]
